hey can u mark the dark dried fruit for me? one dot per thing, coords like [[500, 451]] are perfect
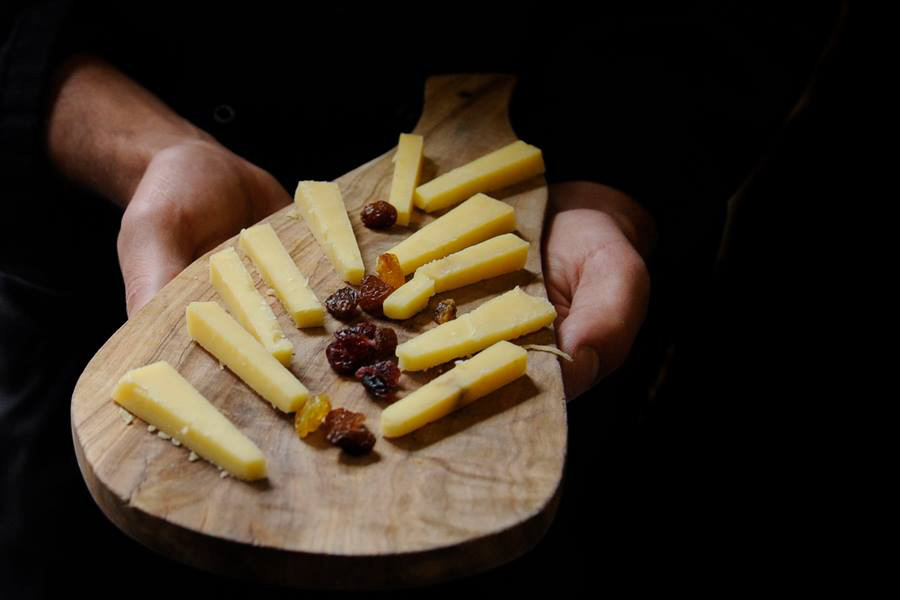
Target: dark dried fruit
[[363, 328], [387, 370], [389, 270], [377, 387], [349, 353], [345, 428], [342, 303], [379, 215], [385, 342], [372, 294], [445, 311]]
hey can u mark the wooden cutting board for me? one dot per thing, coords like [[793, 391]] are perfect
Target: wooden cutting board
[[466, 493]]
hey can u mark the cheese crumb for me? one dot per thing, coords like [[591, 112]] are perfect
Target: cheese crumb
[[127, 417], [192, 456], [164, 435], [151, 428], [176, 443], [550, 349], [223, 474]]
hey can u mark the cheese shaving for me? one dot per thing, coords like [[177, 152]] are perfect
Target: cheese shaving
[[548, 348]]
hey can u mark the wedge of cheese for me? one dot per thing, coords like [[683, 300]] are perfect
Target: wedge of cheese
[[506, 166], [506, 317], [409, 298], [487, 371], [407, 169], [323, 209], [499, 255], [235, 287], [475, 220], [223, 337], [159, 395], [278, 269]]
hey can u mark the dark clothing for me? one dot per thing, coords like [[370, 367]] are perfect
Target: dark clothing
[[673, 108]]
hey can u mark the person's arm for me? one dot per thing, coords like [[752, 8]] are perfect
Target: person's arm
[[183, 192]]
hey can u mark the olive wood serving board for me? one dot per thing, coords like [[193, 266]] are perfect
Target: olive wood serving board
[[461, 495]]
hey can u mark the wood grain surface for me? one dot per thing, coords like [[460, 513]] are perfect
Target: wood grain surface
[[469, 492]]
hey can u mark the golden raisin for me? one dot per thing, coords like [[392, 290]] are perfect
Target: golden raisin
[[445, 311], [389, 271], [314, 411]]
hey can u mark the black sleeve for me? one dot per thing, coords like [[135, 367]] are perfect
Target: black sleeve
[[30, 32], [673, 108]]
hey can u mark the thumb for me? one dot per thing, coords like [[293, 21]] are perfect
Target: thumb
[[608, 306], [151, 253]]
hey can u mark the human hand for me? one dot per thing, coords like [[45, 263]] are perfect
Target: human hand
[[191, 197], [596, 277]]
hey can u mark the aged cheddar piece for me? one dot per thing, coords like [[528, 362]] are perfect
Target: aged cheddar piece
[[214, 329], [159, 395], [276, 266], [506, 166], [467, 381], [233, 282], [323, 209], [475, 220], [407, 169], [506, 317], [502, 254], [409, 298]]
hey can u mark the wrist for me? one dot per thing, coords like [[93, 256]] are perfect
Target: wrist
[[635, 223], [103, 129]]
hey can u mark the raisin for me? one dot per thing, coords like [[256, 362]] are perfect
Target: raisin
[[385, 342], [363, 328], [314, 411], [372, 294], [388, 269], [345, 428], [377, 387], [349, 353], [342, 303], [379, 215], [445, 311], [387, 370]]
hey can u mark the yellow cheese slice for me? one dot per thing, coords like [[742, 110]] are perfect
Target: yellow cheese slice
[[506, 166], [159, 395], [407, 169], [233, 282], [502, 254], [409, 298], [276, 266], [506, 317], [323, 209], [469, 380], [475, 220], [214, 329]]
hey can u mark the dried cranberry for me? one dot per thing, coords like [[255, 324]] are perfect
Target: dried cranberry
[[342, 303], [379, 215], [345, 428], [385, 342], [372, 294], [349, 353], [363, 328], [387, 370]]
